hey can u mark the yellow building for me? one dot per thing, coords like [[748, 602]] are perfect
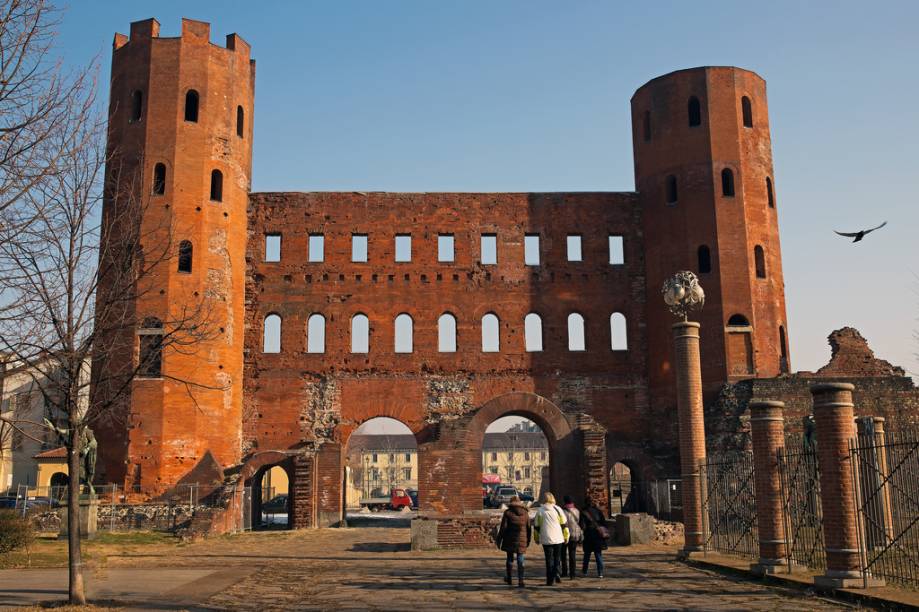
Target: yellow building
[[520, 459]]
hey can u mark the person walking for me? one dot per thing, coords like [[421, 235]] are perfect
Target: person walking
[[552, 530], [575, 537], [595, 535], [514, 537]]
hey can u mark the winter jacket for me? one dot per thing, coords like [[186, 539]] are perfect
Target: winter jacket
[[516, 532], [591, 521], [551, 525]]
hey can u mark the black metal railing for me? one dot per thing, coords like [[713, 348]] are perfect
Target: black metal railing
[[803, 513], [886, 478], [729, 505]]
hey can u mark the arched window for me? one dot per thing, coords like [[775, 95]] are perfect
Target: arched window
[[695, 112], [403, 341], [315, 334], [727, 183], [151, 348], [783, 350], [747, 111], [360, 334], [216, 186], [159, 179], [137, 105], [770, 197], [705, 259], [272, 334], [576, 341], [491, 333], [646, 125], [618, 332], [446, 333], [671, 190], [240, 121], [532, 333], [738, 320], [185, 252], [191, 106], [759, 258]]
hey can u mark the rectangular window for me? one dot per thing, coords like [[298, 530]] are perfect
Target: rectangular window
[[375, 457], [445, 248], [317, 248], [493, 469], [526, 472], [616, 255], [531, 249], [408, 456], [489, 250], [510, 456], [359, 248], [406, 473], [494, 456], [403, 247], [272, 247], [574, 248], [392, 458], [151, 355], [542, 456], [526, 456]]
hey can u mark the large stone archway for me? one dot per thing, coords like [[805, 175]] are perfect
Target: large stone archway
[[450, 469]]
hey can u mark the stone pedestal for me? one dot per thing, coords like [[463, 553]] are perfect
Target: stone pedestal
[[89, 515], [692, 430], [634, 528]]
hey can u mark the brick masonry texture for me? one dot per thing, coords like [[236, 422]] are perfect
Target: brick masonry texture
[[297, 408]]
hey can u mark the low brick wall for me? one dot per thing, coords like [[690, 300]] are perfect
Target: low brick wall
[[454, 531]]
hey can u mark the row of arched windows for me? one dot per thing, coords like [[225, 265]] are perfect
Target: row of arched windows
[[671, 192], [159, 182], [192, 103], [704, 260], [694, 115], [446, 333]]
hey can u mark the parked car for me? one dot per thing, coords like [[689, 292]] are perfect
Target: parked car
[[413, 495], [526, 498], [398, 499], [503, 496], [275, 505], [7, 501]]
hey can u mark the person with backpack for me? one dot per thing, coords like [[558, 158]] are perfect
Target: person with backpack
[[593, 523], [552, 530], [514, 537], [575, 537]]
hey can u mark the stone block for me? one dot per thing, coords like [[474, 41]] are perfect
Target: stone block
[[634, 529], [89, 514]]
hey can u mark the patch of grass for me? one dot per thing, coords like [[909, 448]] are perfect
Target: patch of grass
[[132, 538], [52, 552]]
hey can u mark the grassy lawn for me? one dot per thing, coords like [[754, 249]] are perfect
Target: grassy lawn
[[50, 551]]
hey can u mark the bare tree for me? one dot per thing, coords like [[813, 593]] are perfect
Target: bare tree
[[39, 102]]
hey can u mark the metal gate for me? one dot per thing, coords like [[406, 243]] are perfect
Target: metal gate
[[886, 475], [245, 507], [729, 505], [803, 512]]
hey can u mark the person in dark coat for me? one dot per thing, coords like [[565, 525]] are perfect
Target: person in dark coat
[[514, 537], [593, 523]]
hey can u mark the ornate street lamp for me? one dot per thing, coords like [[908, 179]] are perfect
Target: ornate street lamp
[[683, 295]]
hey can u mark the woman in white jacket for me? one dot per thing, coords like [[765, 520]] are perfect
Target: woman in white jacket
[[552, 532]]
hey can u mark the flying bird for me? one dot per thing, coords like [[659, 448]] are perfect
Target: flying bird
[[859, 235]]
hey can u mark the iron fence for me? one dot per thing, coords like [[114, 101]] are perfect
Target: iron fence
[[803, 513], [886, 475], [661, 498], [729, 505]]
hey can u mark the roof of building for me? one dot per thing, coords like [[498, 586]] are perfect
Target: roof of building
[[406, 442], [55, 453]]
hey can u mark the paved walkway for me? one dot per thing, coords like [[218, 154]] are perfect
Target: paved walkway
[[373, 569]]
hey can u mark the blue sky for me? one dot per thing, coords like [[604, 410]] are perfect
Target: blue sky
[[534, 96]]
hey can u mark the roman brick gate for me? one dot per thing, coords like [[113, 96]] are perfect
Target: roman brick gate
[[449, 463]]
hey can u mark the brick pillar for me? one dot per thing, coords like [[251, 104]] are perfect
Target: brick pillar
[[768, 431], [596, 471], [872, 475], [834, 414], [302, 488], [692, 430]]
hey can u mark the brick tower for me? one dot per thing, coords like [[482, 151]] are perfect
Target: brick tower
[[703, 170], [180, 133]]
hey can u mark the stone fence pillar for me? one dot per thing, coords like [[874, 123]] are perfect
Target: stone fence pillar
[[834, 414], [768, 430], [692, 430]]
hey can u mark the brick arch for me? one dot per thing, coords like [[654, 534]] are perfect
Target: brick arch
[[407, 414], [262, 459], [538, 409]]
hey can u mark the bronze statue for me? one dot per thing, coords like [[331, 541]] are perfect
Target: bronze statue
[[88, 451]]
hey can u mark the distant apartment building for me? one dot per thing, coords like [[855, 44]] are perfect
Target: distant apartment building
[[379, 463]]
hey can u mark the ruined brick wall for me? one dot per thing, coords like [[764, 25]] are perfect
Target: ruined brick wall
[[298, 398], [881, 389]]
